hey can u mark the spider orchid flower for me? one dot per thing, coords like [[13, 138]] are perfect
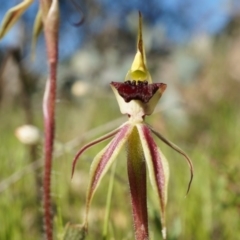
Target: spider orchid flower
[[137, 97]]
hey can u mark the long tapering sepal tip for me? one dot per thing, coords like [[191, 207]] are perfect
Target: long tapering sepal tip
[[179, 150], [105, 137]]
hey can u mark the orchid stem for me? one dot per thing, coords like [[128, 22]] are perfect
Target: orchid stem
[[50, 11], [108, 204]]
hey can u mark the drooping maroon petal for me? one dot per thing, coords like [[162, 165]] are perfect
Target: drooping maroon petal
[[137, 90], [105, 137], [158, 169], [134, 101], [103, 161], [179, 150], [137, 182]]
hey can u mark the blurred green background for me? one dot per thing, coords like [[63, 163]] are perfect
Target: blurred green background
[[199, 111]]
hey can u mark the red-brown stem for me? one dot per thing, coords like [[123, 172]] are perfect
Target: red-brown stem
[[45, 5], [51, 21], [49, 124]]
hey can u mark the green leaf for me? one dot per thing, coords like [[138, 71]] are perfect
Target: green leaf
[[12, 16], [37, 29]]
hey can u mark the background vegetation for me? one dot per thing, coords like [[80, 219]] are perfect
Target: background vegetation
[[199, 112]]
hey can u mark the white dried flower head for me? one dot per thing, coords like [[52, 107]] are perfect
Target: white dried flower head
[[80, 88], [28, 134]]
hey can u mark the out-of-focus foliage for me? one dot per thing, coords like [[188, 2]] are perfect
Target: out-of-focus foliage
[[202, 116], [173, 21]]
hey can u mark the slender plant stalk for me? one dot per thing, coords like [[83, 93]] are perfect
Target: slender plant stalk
[[108, 204], [51, 23]]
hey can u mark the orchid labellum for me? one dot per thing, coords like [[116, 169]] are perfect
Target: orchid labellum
[[137, 97]]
